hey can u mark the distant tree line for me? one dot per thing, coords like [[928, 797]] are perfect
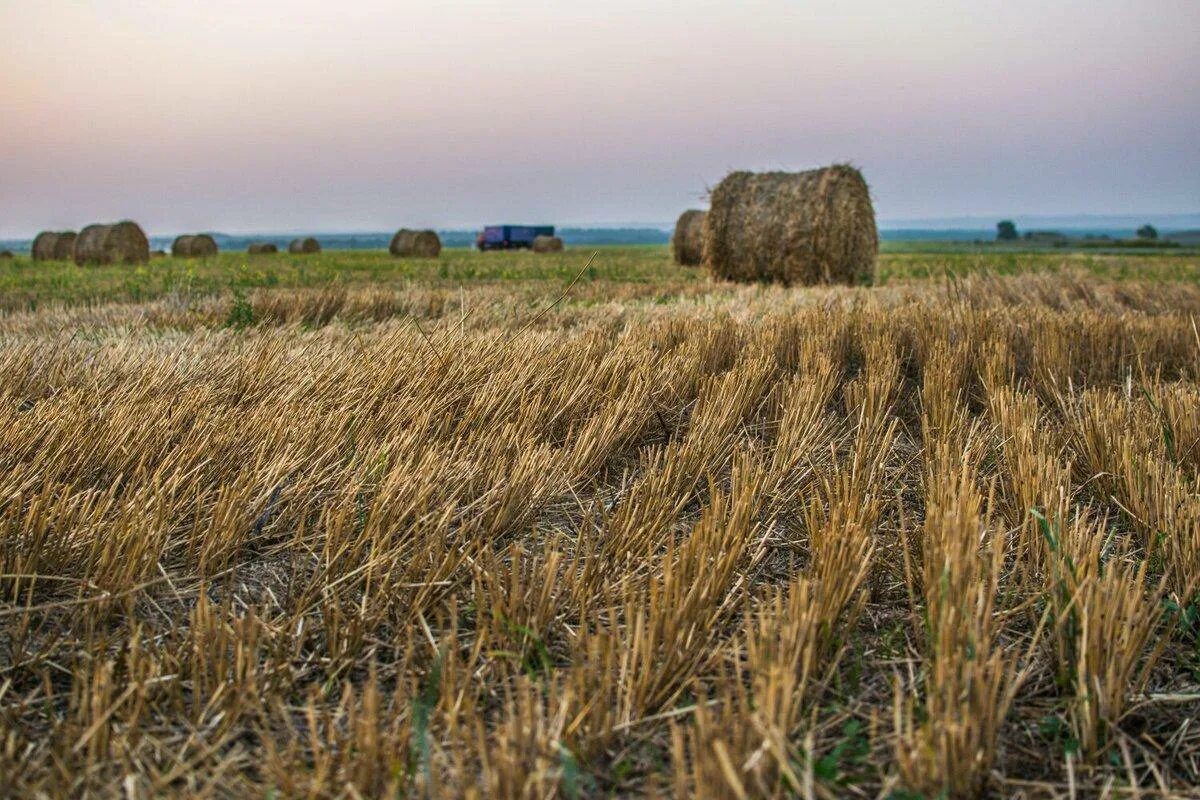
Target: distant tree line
[[1006, 231]]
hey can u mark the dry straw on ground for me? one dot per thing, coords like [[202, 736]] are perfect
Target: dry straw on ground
[[792, 227], [547, 244], [687, 243], [262, 248], [119, 243], [54, 246], [689, 539], [415, 244], [198, 245], [307, 245]]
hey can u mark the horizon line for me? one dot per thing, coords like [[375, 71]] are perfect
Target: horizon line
[[948, 222]]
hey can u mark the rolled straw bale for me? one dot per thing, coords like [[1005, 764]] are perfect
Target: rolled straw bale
[[687, 243], [547, 244], [792, 227], [262, 248], [43, 246], [198, 245], [182, 246], [6, 254], [415, 244], [54, 246], [401, 242], [306, 245], [119, 243], [64, 246]]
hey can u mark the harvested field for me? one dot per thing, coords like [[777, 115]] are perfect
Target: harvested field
[[622, 532]]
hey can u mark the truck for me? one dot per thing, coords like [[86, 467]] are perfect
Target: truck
[[510, 237]]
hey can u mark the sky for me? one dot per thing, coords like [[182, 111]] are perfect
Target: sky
[[370, 115]]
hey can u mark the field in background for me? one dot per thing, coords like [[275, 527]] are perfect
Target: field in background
[[26, 285], [352, 526]]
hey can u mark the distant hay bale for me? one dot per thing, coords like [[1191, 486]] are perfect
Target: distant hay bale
[[199, 245], [401, 242], [158, 253], [6, 254], [64, 246], [687, 243], [306, 245], [262, 248], [547, 244], [43, 246], [792, 227], [120, 243], [54, 246], [415, 244]]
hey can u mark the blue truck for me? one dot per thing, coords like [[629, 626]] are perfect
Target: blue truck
[[511, 237]]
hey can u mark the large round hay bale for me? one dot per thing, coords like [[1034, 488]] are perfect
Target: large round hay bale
[[415, 244], [687, 243], [64, 246], [547, 244], [401, 242], [792, 227], [198, 245], [262, 248], [43, 246], [54, 246], [121, 243], [182, 246], [6, 255], [305, 245]]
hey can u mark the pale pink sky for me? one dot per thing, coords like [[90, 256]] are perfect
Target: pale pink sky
[[365, 115]]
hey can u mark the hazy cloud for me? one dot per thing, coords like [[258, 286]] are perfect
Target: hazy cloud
[[364, 115]]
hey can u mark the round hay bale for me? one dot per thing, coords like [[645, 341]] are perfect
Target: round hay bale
[[687, 243], [415, 244], [158, 253], [54, 246], [262, 248], [198, 245], [121, 243], [306, 245], [401, 242], [6, 254], [547, 244], [43, 246], [792, 227], [64, 246]]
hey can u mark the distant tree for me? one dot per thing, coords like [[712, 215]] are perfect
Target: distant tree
[[1006, 231], [1147, 231]]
